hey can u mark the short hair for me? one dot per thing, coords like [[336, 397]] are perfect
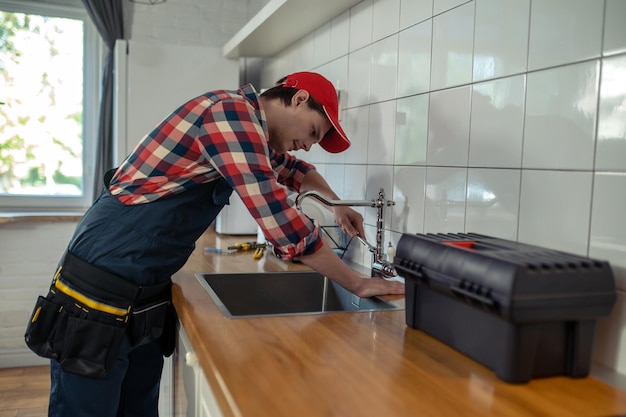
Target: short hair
[[285, 94]]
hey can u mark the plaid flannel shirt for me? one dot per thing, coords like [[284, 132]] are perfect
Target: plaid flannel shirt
[[222, 134]]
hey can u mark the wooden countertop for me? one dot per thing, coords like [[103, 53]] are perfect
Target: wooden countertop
[[353, 364]]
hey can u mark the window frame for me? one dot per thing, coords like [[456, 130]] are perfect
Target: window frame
[[93, 57]]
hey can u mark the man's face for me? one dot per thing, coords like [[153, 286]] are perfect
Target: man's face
[[296, 126]]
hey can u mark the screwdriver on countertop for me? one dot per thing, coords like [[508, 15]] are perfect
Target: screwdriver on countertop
[[247, 246], [209, 249]]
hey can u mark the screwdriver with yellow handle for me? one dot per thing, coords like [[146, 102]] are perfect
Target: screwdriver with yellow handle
[[258, 253], [247, 246]]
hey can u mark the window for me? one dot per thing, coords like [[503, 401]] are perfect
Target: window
[[49, 95]]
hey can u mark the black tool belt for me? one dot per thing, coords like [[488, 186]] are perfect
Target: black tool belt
[[87, 312]]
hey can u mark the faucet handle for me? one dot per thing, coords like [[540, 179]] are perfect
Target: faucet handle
[[371, 247]]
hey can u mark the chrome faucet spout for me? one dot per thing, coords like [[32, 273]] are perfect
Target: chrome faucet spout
[[384, 269], [325, 200], [380, 267]]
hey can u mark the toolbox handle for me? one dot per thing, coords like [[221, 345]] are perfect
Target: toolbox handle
[[476, 297]]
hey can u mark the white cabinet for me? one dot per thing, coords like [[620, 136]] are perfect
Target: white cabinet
[[165, 391], [191, 392], [206, 403]]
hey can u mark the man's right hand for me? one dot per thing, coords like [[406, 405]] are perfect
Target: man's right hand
[[327, 263]]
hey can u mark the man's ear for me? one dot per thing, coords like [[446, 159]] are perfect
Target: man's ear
[[301, 96]]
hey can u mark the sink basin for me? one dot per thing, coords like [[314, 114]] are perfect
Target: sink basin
[[284, 293]]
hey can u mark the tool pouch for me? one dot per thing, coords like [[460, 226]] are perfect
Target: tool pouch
[[83, 319], [83, 339], [170, 332], [152, 321], [41, 328]]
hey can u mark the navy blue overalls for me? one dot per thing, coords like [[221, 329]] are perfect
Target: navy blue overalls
[[145, 244]]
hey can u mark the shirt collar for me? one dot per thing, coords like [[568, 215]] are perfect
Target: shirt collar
[[249, 93]]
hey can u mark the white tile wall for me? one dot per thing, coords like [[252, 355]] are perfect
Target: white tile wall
[[411, 130], [335, 173], [381, 127], [412, 12], [607, 238], [361, 25], [614, 28], [409, 186], [453, 42], [497, 123], [321, 44], [492, 203], [338, 74], [444, 208], [553, 205], [414, 47], [357, 129], [611, 139], [563, 31], [440, 6], [611, 338], [385, 18], [359, 69], [560, 118], [355, 183], [500, 38], [448, 127], [340, 35], [509, 121], [384, 69]]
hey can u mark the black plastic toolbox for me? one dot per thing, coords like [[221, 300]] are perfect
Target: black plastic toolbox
[[522, 311]]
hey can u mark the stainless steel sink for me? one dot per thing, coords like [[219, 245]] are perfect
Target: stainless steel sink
[[284, 293]]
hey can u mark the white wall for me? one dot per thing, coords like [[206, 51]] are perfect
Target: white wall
[[29, 253], [486, 116]]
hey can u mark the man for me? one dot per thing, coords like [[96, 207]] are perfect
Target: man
[[110, 297]]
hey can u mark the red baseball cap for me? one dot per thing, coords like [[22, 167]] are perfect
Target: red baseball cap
[[324, 93]]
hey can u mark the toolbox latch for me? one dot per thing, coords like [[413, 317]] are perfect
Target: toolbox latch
[[469, 291]]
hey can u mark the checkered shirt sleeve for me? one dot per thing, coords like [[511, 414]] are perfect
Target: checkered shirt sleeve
[[222, 134]]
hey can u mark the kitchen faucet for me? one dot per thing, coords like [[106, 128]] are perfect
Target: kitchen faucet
[[380, 267]]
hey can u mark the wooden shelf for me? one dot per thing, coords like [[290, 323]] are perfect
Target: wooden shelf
[[280, 23], [34, 217]]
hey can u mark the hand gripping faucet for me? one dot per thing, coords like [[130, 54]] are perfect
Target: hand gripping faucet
[[380, 267]]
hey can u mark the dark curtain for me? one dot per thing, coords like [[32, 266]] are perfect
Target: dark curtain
[[108, 18]]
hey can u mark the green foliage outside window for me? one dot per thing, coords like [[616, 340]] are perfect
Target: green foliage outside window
[[41, 84]]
